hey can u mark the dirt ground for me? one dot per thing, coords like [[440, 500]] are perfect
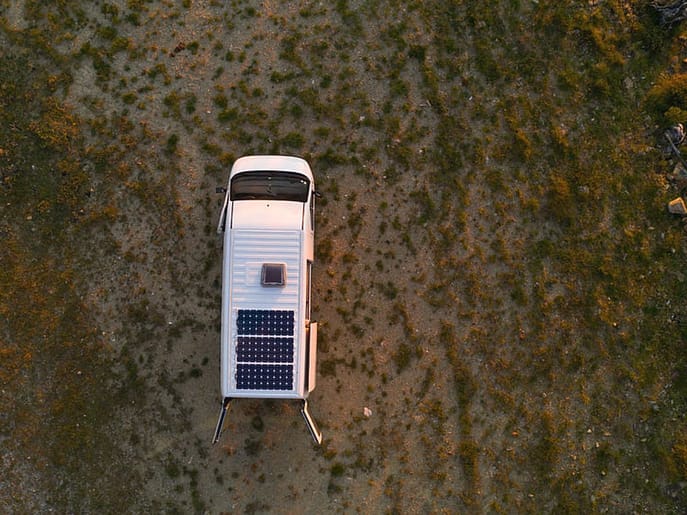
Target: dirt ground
[[469, 361]]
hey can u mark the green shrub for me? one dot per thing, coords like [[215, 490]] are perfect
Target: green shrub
[[293, 140], [560, 201], [172, 142], [668, 97], [675, 115], [338, 470]]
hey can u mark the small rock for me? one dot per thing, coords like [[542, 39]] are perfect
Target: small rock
[[181, 46], [679, 171], [676, 134], [367, 412], [677, 206]]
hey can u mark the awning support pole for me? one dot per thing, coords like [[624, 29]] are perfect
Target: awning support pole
[[220, 422], [312, 426]]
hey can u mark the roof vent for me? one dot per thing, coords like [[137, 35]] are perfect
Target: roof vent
[[273, 274]]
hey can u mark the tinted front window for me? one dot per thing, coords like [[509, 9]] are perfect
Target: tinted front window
[[266, 185]]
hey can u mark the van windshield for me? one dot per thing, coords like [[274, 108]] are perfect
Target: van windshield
[[270, 185]]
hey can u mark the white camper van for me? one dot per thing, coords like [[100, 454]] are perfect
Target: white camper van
[[268, 340]]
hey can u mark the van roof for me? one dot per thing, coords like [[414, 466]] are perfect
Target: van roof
[[264, 335]]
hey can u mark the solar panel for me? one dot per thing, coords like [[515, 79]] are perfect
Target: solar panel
[[264, 377], [264, 349], [261, 322]]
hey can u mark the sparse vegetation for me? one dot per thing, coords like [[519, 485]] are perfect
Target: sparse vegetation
[[496, 277]]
